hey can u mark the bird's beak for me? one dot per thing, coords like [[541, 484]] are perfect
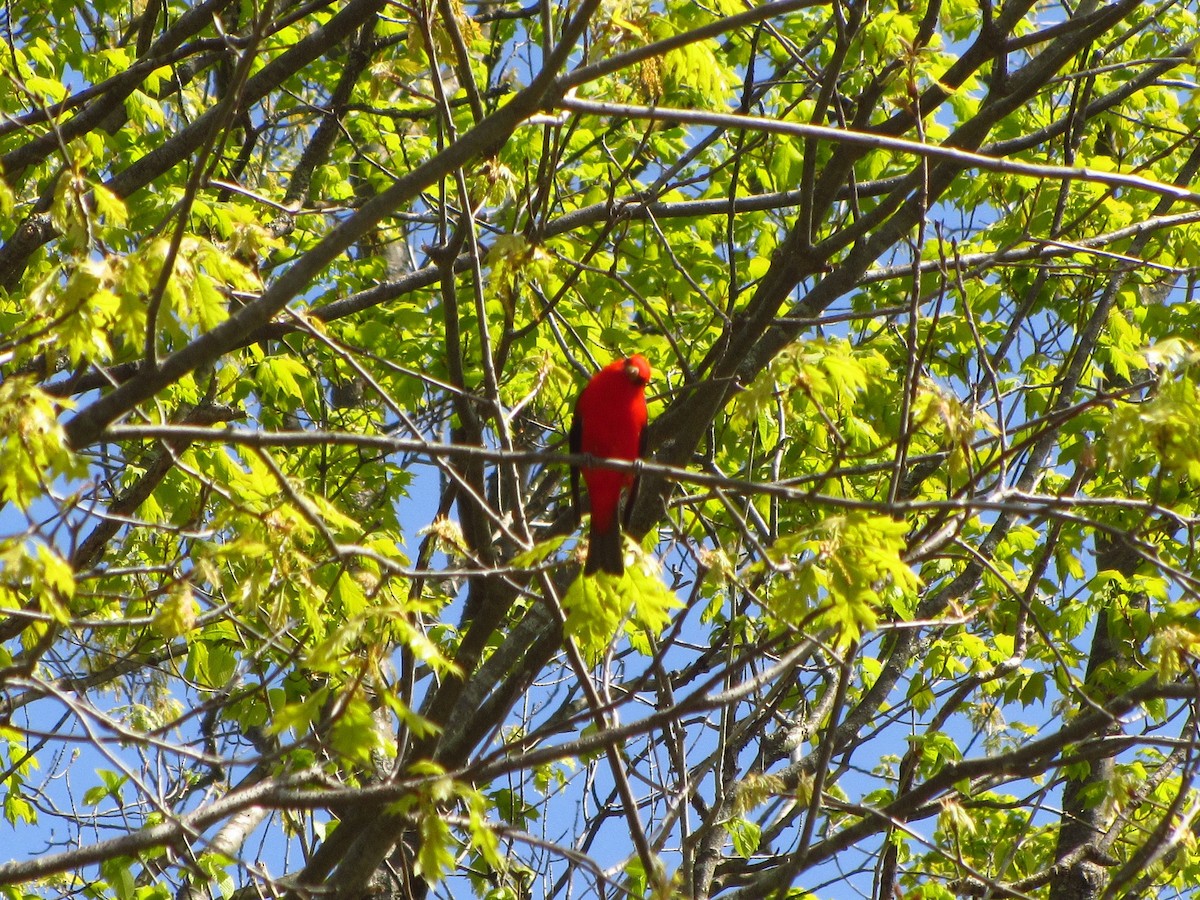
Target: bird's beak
[[633, 373]]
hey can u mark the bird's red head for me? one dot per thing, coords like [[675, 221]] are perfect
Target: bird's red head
[[636, 369]]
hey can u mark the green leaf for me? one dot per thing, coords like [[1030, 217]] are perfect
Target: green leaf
[[176, 616], [49, 89], [7, 199], [33, 450], [539, 553], [118, 875], [356, 734], [594, 606], [745, 835]]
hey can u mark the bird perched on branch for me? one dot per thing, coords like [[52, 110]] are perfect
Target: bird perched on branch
[[609, 422]]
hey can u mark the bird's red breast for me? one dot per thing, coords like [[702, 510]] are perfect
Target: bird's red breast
[[610, 416]]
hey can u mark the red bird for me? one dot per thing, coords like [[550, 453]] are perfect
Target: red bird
[[610, 421]]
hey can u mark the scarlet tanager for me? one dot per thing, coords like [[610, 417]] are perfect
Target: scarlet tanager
[[610, 421]]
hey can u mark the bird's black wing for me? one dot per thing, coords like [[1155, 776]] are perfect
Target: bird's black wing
[[633, 488]]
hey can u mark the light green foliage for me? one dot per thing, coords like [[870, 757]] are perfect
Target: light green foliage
[[436, 794], [295, 303], [601, 608], [32, 449], [846, 570], [745, 836], [176, 616], [36, 575], [21, 766], [1164, 431]]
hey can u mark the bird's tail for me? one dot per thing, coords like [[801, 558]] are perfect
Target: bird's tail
[[606, 549]]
